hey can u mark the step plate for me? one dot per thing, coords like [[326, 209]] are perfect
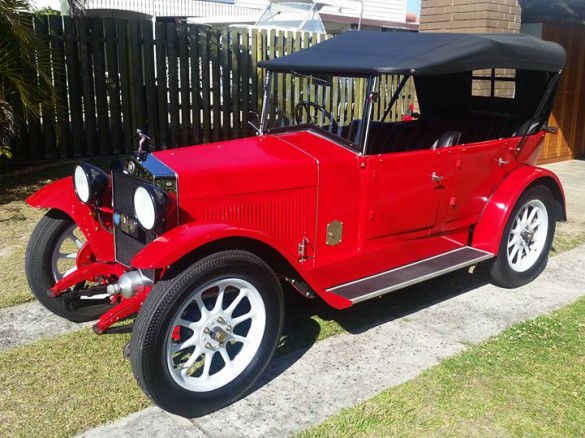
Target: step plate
[[379, 284]]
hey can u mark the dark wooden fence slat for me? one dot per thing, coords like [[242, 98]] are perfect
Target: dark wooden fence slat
[[205, 45], [161, 84], [255, 73], [101, 96], [246, 75], [216, 81], [226, 103], [125, 82], [84, 27], [113, 85], [48, 117], [138, 119], [73, 85], [60, 81], [195, 65], [184, 84], [235, 92], [173, 78], [150, 94], [288, 103]]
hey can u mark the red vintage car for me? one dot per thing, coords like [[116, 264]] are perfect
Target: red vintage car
[[330, 197]]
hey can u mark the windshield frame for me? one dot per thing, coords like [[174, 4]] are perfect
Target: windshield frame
[[358, 146]]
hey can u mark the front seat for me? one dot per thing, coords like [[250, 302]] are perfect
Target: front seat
[[446, 139]]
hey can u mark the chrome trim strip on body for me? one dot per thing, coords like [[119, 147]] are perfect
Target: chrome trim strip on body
[[484, 256]]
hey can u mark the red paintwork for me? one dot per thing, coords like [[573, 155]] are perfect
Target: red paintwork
[[238, 167], [88, 272], [85, 256], [61, 196], [283, 189], [393, 213], [176, 243], [490, 227], [126, 308]]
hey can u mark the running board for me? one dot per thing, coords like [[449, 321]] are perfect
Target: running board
[[398, 278]]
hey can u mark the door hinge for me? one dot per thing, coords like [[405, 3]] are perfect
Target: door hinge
[[303, 246]]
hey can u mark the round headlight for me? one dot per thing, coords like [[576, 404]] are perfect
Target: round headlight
[[89, 182], [145, 208], [81, 184]]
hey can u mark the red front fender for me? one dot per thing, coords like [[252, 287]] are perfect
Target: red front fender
[[178, 242], [488, 231], [60, 195]]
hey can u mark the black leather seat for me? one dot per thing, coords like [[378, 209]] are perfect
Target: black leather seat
[[448, 138]]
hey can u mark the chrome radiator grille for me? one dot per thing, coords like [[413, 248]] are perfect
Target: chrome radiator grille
[[129, 236]]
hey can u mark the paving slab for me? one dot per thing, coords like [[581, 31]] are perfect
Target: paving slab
[[26, 323], [335, 373], [486, 311], [339, 372]]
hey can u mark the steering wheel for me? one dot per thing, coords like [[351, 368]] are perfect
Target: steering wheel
[[305, 106]]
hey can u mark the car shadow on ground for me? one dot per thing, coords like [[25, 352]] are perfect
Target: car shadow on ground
[[301, 329]]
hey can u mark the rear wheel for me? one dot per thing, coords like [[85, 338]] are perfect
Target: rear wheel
[[202, 338], [55, 247], [527, 239]]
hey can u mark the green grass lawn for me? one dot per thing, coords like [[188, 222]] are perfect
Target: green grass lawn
[[17, 220], [61, 386], [529, 381]]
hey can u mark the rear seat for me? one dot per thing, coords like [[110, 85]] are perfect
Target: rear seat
[[476, 127], [429, 131]]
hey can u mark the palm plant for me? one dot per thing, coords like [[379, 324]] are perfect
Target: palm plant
[[25, 70]]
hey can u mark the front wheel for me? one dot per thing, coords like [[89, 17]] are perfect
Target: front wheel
[[527, 239], [55, 249], [202, 338]]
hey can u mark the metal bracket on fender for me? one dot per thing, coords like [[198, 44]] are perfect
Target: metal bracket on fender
[[123, 310]]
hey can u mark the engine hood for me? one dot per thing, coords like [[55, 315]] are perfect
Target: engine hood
[[237, 167]]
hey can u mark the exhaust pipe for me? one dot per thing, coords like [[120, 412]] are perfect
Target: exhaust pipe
[[129, 284]]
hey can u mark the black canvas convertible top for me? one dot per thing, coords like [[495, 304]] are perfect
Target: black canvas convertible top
[[367, 53]]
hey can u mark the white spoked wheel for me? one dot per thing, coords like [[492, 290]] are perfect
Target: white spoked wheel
[[216, 334], [205, 334], [526, 240], [67, 247], [527, 237]]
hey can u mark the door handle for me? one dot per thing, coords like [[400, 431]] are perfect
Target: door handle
[[436, 177], [502, 162]]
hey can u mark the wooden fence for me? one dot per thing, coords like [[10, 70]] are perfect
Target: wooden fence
[[182, 84]]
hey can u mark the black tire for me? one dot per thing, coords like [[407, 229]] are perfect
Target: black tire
[[39, 270], [507, 270], [157, 330]]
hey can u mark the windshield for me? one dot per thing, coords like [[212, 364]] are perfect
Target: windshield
[[333, 103], [298, 16]]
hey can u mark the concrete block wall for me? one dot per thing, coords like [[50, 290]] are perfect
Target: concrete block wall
[[470, 16]]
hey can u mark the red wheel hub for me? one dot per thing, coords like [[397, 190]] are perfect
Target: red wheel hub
[[85, 256]]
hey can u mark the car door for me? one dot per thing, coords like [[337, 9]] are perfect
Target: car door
[[407, 192], [480, 169]]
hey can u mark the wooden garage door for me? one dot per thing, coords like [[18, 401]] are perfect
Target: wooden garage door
[[569, 107]]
